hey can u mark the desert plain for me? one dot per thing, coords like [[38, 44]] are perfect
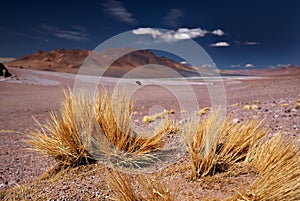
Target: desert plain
[[30, 96]]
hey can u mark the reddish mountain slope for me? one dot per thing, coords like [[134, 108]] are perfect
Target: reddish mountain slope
[[70, 61]]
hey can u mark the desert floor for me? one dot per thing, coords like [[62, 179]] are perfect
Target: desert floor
[[34, 94]]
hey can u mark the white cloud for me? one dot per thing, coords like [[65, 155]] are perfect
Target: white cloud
[[251, 43], [172, 19], [249, 65], [184, 62], [171, 36], [192, 33], [76, 33], [72, 35], [218, 32], [118, 11], [147, 31], [220, 44]]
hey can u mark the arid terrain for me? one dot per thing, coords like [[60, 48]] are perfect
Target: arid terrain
[[30, 96]]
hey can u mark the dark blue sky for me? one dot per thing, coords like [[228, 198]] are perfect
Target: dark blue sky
[[235, 33]]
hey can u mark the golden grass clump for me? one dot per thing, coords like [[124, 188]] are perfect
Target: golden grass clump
[[234, 105], [140, 187], [122, 185], [215, 144], [147, 119], [284, 104], [247, 107], [204, 110], [59, 138], [160, 115], [254, 106], [277, 163], [238, 140], [86, 122], [114, 117], [250, 107], [202, 141]]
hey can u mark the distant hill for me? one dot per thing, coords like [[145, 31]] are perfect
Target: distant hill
[[6, 59], [289, 70], [61, 60]]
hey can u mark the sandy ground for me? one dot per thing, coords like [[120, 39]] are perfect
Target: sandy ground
[[33, 94]]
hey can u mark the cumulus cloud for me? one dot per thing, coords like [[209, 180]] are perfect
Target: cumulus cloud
[[148, 31], [118, 11], [220, 44], [172, 19], [75, 33], [170, 36], [249, 65], [218, 32]]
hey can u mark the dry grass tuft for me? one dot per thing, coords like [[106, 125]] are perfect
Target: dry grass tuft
[[161, 115], [284, 104], [215, 145], [277, 161], [250, 107], [114, 117], [122, 186], [247, 107], [204, 110], [202, 141], [59, 138], [157, 189], [238, 140], [86, 122], [151, 187], [234, 105]]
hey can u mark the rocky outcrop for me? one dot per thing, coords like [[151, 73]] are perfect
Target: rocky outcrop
[[4, 71]]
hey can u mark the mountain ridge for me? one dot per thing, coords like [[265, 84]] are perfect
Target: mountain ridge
[[69, 61]]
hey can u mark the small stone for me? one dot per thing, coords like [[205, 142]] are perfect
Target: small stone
[[236, 121]]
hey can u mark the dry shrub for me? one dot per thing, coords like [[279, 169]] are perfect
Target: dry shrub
[[202, 141], [238, 140], [59, 138], [114, 114], [140, 187], [277, 163], [215, 144], [89, 124], [122, 186], [157, 189]]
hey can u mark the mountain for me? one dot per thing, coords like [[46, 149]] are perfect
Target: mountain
[[70, 61], [59, 60], [288, 70]]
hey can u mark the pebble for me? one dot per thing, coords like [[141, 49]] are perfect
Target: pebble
[[236, 121]]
